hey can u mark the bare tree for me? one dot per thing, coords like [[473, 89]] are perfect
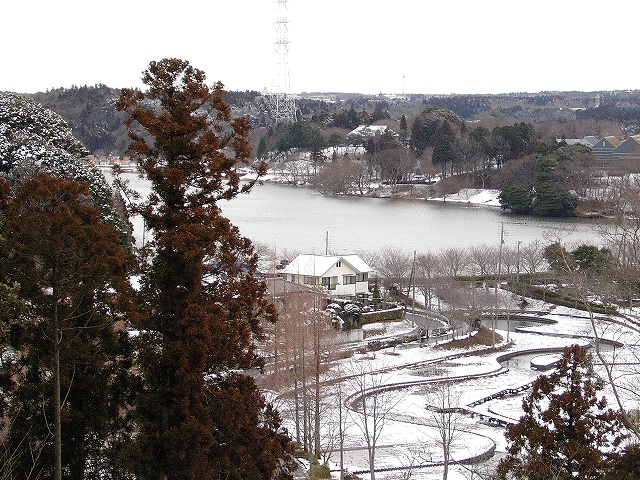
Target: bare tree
[[532, 257], [483, 259], [267, 256], [622, 236], [301, 337], [336, 421], [9, 457], [370, 406], [454, 261], [416, 455], [394, 266], [427, 268], [509, 259], [443, 401], [343, 175]]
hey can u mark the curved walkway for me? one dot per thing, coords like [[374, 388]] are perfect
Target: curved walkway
[[490, 416]]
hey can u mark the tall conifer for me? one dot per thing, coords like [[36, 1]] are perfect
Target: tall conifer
[[200, 416], [71, 384]]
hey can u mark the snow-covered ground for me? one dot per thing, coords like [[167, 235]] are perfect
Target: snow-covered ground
[[409, 437], [475, 196]]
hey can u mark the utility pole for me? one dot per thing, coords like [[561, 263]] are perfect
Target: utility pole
[[413, 286], [495, 317], [518, 263]]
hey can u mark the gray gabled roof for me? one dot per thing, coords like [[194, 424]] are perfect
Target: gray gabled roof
[[630, 145], [589, 140]]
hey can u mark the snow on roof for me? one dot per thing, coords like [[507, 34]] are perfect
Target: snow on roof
[[357, 263], [589, 140], [317, 265], [368, 130]]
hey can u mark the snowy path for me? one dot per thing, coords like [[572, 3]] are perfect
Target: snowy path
[[489, 385]]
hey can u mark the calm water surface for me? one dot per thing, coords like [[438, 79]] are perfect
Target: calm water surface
[[300, 219]]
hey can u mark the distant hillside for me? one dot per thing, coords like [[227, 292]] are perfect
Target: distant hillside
[[91, 114]]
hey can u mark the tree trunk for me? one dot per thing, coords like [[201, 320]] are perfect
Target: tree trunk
[[317, 384], [57, 428]]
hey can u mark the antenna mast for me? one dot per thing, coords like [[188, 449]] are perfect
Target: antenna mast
[[281, 104]]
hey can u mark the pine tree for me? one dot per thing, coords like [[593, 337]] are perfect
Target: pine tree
[[200, 416], [566, 432]]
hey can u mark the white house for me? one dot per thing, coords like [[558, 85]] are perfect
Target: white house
[[339, 276], [367, 131]]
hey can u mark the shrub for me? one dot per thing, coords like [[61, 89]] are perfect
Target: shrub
[[319, 471]]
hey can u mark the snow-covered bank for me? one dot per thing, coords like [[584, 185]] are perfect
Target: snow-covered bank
[[476, 196]]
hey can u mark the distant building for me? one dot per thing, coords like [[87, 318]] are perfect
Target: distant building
[[339, 276], [609, 150], [588, 141], [369, 131], [628, 150]]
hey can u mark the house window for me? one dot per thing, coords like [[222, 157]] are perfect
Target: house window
[[362, 277], [326, 282], [348, 279], [309, 280], [338, 263]]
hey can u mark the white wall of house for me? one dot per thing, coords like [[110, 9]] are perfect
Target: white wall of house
[[340, 280]]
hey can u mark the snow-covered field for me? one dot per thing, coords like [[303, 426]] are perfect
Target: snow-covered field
[[409, 437]]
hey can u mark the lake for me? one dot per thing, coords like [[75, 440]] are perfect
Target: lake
[[295, 218]]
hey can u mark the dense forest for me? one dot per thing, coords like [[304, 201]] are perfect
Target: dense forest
[[91, 114]]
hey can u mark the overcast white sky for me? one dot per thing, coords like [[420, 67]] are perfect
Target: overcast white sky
[[465, 46]]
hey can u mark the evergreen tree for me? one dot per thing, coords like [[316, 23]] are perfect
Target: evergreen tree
[[516, 199], [262, 149], [73, 271], [625, 465], [200, 415], [566, 432], [442, 153], [433, 124], [403, 123], [11, 304]]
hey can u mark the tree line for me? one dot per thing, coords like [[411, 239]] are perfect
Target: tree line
[[536, 176]]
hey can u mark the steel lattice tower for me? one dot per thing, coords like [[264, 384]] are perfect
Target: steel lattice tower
[[281, 104]]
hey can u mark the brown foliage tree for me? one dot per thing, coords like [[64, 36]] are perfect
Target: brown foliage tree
[[566, 432], [73, 271], [200, 416]]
